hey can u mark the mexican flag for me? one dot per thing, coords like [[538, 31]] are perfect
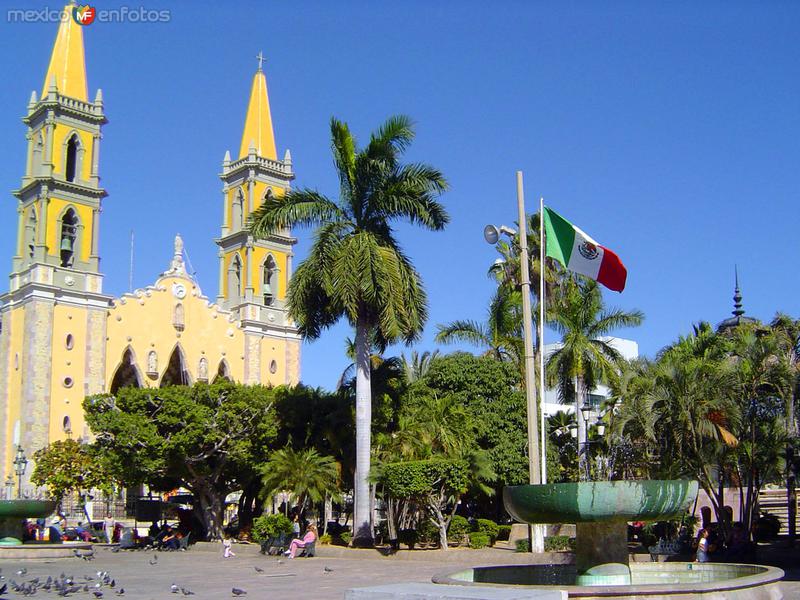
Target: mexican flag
[[579, 253]]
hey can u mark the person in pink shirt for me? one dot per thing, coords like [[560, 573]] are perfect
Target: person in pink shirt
[[309, 538]]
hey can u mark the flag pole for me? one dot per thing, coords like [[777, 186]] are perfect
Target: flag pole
[[541, 339]]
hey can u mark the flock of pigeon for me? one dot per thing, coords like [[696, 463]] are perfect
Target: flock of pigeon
[[98, 585]]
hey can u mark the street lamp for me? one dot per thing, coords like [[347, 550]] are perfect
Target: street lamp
[[491, 234], [20, 464], [9, 486]]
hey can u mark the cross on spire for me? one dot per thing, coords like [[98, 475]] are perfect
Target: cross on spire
[[260, 57]]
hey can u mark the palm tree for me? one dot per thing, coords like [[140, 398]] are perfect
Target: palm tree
[[417, 366], [500, 336], [306, 474], [586, 356], [356, 268]]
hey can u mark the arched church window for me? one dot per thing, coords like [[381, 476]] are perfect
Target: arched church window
[[66, 426], [72, 158], [235, 279], [69, 235], [223, 372], [179, 317], [270, 281], [176, 373], [30, 232], [237, 211]]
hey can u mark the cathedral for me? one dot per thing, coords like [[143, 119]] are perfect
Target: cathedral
[[62, 338]]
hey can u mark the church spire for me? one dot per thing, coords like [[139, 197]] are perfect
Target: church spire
[[258, 123], [66, 62], [737, 311]]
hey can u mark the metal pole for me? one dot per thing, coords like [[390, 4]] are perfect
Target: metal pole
[[534, 474], [541, 337]]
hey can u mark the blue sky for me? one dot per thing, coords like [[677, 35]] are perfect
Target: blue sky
[[668, 131]]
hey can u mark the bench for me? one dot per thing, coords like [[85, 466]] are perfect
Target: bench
[[309, 550]]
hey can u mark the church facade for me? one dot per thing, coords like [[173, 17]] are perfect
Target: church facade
[[62, 338]]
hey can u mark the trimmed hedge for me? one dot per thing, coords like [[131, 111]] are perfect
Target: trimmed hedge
[[270, 526], [478, 539], [559, 543], [489, 527], [458, 529]]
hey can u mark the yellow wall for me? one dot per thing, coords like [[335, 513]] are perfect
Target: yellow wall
[[67, 401], [60, 136], [14, 392], [85, 214], [148, 322]]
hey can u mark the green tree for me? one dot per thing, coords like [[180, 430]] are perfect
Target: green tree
[[207, 438], [306, 474], [356, 268], [417, 365], [586, 356], [67, 466]]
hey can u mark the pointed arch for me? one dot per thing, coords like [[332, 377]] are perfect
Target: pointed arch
[[179, 317], [30, 232], [237, 211], [38, 152], [176, 372], [73, 156], [223, 372], [235, 279], [127, 373], [69, 228], [269, 280]]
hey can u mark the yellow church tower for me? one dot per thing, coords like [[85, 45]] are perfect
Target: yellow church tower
[[53, 318], [254, 274]]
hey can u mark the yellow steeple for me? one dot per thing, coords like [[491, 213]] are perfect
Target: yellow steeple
[[258, 123], [67, 63]]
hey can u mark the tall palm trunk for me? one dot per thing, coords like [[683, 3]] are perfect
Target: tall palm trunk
[[362, 526]]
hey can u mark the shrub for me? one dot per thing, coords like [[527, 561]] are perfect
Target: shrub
[[478, 539], [559, 543], [523, 545], [504, 532], [428, 532], [409, 537], [458, 529], [488, 527], [346, 537], [271, 526], [326, 539]]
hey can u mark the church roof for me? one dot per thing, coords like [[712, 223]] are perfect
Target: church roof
[[67, 65], [258, 122]]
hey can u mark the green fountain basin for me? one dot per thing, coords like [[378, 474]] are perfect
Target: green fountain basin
[[12, 514], [599, 501]]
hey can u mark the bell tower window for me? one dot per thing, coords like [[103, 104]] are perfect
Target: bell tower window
[[237, 211], [72, 158], [69, 235], [270, 281], [235, 280], [30, 233]]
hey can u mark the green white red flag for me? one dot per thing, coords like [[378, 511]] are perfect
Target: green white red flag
[[570, 246]]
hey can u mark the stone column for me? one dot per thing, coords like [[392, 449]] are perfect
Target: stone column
[[601, 553], [94, 256], [221, 294], [5, 387]]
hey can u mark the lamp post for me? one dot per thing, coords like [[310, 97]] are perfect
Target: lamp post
[[9, 486], [585, 444], [492, 234], [20, 464]]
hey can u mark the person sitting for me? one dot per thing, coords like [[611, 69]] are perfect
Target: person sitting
[[173, 541], [309, 538]]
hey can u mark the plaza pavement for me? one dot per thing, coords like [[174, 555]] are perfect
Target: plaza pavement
[[203, 571]]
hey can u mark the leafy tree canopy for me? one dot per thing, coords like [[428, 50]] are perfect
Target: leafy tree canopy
[[66, 466]]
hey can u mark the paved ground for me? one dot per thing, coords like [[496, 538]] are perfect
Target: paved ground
[[203, 571]]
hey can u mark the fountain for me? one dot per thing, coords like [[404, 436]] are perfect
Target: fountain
[[12, 516], [601, 511]]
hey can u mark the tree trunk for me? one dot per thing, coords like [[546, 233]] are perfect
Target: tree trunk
[[211, 513], [362, 526]]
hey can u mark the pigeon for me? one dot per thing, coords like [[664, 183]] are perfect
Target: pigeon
[[174, 589], [154, 560], [98, 594], [112, 583], [22, 571], [3, 589], [120, 591], [186, 592], [238, 592], [327, 570], [258, 569], [115, 549]]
